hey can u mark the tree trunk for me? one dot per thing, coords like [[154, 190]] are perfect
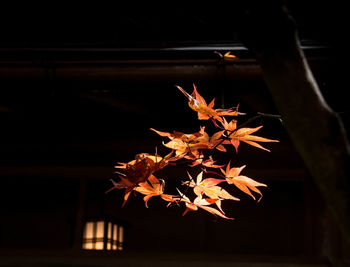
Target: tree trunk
[[316, 130]]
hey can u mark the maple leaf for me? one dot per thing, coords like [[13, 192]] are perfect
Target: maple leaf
[[244, 135], [210, 163], [216, 141], [182, 136], [242, 182], [123, 184], [187, 145], [200, 182], [227, 56], [140, 169], [209, 187], [202, 203], [197, 103], [154, 187], [185, 150]]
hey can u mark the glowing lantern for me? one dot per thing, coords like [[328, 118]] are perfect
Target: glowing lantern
[[103, 235]]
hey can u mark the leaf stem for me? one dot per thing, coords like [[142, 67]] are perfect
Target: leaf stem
[[215, 173]]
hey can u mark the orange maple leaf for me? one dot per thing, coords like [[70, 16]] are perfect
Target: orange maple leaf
[[243, 183], [187, 145], [186, 150], [209, 187], [244, 135], [197, 103], [208, 182], [139, 169], [210, 163], [202, 203], [229, 57], [216, 141], [182, 136], [123, 184], [154, 187]]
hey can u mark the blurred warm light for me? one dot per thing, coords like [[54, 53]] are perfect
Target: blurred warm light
[[109, 236], [101, 235], [121, 238], [88, 246], [115, 232], [89, 230], [100, 229]]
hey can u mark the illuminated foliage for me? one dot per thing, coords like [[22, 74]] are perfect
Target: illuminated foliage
[[207, 192]]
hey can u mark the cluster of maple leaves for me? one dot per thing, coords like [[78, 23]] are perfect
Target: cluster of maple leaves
[[138, 174]]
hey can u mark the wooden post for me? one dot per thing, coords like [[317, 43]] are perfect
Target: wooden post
[[79, 216]]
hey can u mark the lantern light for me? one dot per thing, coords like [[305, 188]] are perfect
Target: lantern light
[[103, 235]]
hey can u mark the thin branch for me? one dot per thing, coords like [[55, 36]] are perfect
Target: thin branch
[[260, 115]]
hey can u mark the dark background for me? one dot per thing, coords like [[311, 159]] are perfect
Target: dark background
[[80, 86]]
